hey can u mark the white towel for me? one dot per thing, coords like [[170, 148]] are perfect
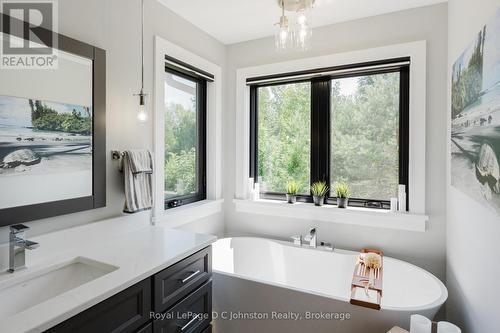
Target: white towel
[[137, 166]]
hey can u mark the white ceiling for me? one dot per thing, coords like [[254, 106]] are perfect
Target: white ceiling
[[233, 21]]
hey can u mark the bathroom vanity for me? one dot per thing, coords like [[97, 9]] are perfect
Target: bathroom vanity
[[179, 298], [119, 275]]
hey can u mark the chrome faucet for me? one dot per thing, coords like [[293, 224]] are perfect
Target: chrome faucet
[[297, 240], [17, 246], [312, 238]]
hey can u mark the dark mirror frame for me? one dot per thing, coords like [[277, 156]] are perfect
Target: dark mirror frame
[[27, 213]]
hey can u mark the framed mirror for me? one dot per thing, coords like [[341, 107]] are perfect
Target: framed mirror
[[52, 132]]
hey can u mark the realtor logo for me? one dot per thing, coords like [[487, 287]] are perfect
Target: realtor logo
[[29, 39]]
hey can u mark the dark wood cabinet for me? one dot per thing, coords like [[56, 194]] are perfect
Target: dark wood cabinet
[[182, 293], [191, 315], [125, 312], [177, 281]]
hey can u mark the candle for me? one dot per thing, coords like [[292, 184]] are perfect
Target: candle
[[250, 188], [402, 198], [401, 189], [420, 324], [256, 192], [445, 327], [394, 205], [402, 203]]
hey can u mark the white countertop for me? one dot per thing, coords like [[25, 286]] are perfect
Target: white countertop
[[139, 250]]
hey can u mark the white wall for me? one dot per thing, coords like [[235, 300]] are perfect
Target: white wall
[[472, 230], [428, 23], [114, 25]]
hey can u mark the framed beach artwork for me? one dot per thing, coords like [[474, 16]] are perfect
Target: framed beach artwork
[[475, 118], [52, 136]]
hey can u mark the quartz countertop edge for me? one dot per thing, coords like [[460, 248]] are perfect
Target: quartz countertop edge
[[130, 243]]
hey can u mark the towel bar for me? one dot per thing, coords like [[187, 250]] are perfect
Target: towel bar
[[116, 154]]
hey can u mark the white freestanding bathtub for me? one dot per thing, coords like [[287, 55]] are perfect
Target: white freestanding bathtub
[[263, 285]]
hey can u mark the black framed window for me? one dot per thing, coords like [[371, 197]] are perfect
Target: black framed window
[[346, 124], [185, 137]]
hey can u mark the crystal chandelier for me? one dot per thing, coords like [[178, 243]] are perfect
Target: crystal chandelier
[[294, 33]]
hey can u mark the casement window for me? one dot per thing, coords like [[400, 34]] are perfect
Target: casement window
[[343, 124], [185, 134]]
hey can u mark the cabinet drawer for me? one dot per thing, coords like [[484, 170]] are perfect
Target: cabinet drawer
[[191, 315], [125, 312], [180, 279]]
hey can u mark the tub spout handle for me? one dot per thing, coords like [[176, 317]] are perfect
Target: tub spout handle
[[297, 240], [312, 238]]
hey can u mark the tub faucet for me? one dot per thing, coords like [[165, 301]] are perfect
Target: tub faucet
[[312, 238], [297, 240], [17, 246]]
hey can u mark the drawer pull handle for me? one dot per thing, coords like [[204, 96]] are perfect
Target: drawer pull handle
[[185, 327], [191, 276]]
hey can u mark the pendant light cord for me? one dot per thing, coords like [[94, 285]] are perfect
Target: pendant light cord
[[152, 216], [142, 47], [283, 8]]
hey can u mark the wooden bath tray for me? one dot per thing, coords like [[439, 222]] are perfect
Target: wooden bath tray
[[361, 295]]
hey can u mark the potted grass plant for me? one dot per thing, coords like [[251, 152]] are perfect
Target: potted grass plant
[[319, 190], [292, 188], [342, 190]]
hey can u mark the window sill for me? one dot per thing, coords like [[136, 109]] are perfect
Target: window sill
[[179, 216], [374, 218]]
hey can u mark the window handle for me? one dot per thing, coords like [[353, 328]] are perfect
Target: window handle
[[175, 203], [373, 204]]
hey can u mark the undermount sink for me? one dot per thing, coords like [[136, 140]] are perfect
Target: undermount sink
[[21, 293]]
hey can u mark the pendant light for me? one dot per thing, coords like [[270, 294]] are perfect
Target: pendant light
[[294, 33], [142, 112], [282, 37]]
